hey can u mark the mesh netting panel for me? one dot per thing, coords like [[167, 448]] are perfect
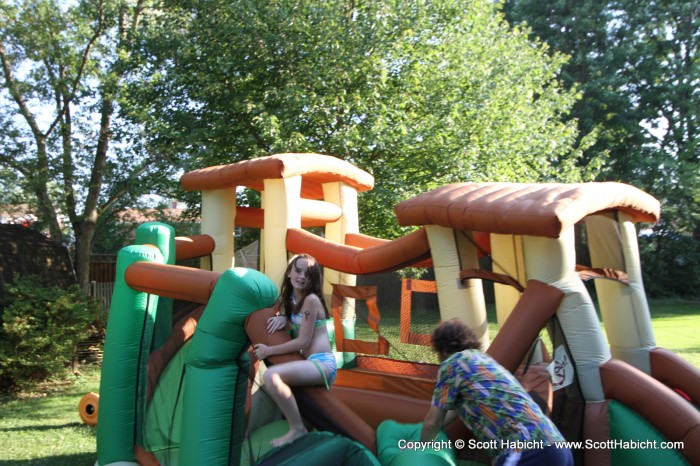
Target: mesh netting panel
[[408, 314]]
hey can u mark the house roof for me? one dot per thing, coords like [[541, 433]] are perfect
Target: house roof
[[27, 252], [20, 234], [150, 215]]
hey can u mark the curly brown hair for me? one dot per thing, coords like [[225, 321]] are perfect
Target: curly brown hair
[[453, 336]]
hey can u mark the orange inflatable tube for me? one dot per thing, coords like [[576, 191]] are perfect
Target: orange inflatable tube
[[172, 281], [673, 371], [482, 240], [191, 247], [674, 417], [382, 257]]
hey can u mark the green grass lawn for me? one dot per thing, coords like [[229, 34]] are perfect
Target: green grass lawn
[[43, 428], [676, 324]]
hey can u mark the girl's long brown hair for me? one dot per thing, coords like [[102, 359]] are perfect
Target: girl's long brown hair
[[314, 285]]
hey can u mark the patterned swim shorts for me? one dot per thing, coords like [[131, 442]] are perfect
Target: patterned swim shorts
[[328, 360]]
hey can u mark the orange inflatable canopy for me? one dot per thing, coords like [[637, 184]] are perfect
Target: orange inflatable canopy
[[314, 169], [523, 209]]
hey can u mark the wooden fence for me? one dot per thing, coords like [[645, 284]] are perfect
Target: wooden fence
[[103, 268], [102, 292], [102, 273]]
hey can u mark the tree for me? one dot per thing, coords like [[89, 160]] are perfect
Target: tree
[[101, 101], [637, 66], [61, 138], [664, 82], [419, 93]]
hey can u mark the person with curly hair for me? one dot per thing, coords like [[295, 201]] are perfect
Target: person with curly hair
[[501, 415]]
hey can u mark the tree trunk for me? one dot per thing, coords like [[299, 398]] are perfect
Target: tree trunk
[[83, 242], [48, 214], [85, 226], [40, 182]]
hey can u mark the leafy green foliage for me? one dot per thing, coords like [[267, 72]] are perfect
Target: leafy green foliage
[[41, 327], [636, 65], [62, 139], [418, 93], [670, 263]]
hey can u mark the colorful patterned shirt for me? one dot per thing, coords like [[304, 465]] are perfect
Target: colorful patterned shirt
[[491, 402]]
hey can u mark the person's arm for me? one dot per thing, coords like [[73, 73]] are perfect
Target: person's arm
[[309, 312], [450, 417], [442, 409], [432, 423], [276, 323]]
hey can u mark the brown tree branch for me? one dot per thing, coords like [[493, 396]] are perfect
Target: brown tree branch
[[81, 70], [145, 165], [16, 93]]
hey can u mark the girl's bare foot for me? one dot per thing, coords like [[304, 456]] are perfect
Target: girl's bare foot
[[289, 437]]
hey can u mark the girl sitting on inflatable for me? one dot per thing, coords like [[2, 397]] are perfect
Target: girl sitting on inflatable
[[302, 308]]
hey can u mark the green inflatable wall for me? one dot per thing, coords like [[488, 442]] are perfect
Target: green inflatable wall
[[163, 427], [126, 350], [216, 363], [319, 449], [625, 426], [216, 370], [392, 452], [161, 236]]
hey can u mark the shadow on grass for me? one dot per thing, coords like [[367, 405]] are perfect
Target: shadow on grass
[[78, 459], [40, 428]]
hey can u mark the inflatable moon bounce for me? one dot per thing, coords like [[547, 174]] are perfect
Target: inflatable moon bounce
[[180, 386]]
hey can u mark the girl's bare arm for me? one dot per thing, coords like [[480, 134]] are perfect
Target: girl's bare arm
[[309, 311]]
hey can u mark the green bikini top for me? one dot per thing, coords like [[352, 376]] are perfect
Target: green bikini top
[[296, 320]]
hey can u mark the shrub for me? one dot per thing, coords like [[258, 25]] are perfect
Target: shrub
[[41, 327]]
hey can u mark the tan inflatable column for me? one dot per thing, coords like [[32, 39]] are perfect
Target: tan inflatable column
[[344, 196], [507, 255], [464, 303], [612, 241], [218, 221], [282, 210], [553, 261]]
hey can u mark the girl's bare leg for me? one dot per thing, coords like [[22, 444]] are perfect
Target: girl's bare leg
[[278, 380]]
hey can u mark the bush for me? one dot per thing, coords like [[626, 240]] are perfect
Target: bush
[[41, 327]]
